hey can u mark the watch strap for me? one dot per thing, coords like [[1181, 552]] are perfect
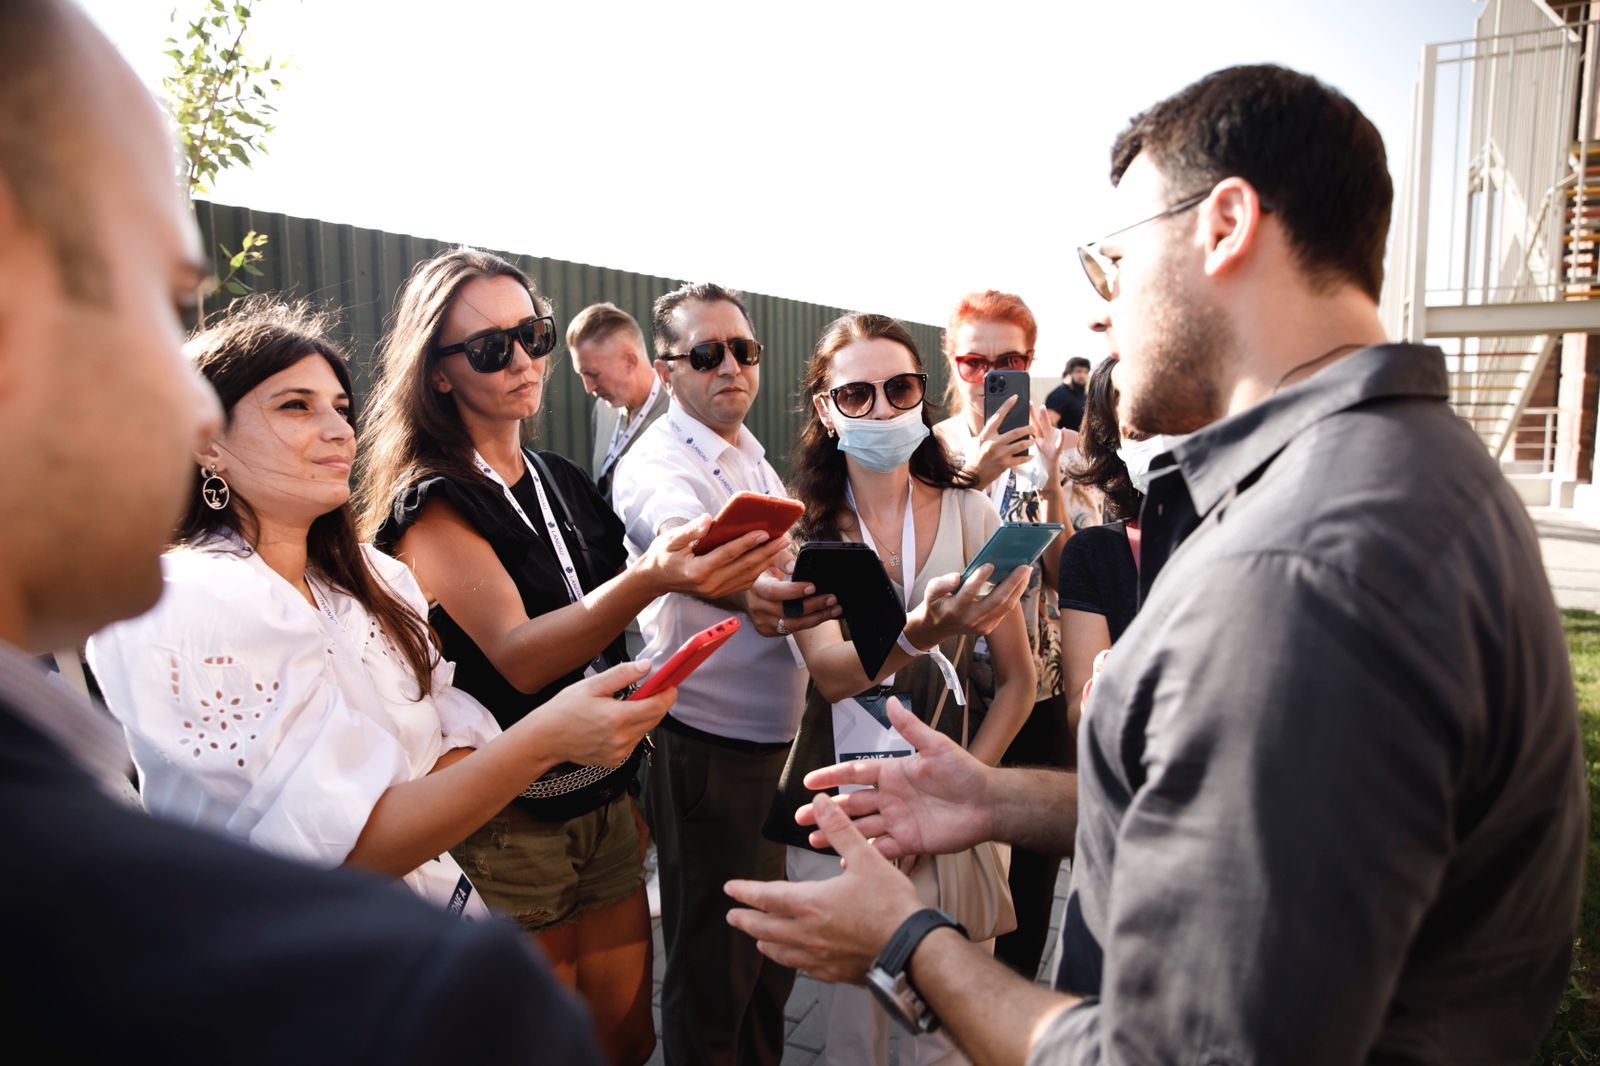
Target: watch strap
[[896, 954]]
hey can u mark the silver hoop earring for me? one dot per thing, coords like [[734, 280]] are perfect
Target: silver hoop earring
[[214, 490]]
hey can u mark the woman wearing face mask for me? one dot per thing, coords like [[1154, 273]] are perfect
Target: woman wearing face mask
[[1100, 566], [285, 689], [868, 469], [1021, 472], [522, 561]]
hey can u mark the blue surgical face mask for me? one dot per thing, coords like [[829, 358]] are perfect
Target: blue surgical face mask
[[1137, 455], [882, 444]]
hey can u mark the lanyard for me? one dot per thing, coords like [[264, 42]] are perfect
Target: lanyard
[[1003, 491], [908, 565], [563, 556], [711, 464], [618, 446]]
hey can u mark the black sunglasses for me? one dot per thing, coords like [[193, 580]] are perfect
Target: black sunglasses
[[854, 399], [491, 352], [709, 356]]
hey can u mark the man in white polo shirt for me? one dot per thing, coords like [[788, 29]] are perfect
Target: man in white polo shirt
[[609, 354], [719, 754]]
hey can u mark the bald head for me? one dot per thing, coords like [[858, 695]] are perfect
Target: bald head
[[63, 92], [100, 415]]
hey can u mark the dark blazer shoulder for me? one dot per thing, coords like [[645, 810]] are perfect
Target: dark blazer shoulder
[[153, 929]]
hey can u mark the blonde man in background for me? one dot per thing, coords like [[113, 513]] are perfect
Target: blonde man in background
[[610, 355]]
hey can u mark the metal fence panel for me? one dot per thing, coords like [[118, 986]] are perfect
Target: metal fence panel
[[359, 272]]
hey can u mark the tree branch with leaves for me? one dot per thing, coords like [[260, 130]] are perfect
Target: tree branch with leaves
[[218, 95]]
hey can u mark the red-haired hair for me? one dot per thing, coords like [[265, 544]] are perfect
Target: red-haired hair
[[990, 306]]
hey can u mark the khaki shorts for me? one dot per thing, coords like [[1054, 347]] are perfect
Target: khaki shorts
[[540, 874]]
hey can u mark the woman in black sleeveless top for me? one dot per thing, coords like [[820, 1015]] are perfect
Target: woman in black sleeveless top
[[1099, 570], [524, 566]]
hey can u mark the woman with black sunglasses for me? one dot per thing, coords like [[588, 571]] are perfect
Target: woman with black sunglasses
[[868, 469], [523, 564]]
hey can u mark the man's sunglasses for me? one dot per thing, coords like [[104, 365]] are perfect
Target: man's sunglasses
[[973, 367], [855, 399], [488, 353], [709, 356]]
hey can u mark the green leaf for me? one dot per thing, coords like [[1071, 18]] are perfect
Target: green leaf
[[239, 153], [253, 272], [237, 261], [237, 287]]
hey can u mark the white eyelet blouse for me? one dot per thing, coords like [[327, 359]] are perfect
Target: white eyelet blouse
[[252, 713]]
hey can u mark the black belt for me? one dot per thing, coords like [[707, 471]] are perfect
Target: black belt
[[750, 747]]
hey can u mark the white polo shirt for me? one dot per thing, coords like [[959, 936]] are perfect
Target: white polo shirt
[[751, 687]]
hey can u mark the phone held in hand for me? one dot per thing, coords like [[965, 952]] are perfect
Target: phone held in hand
[[998, 387], [872, 608], [696, 650], [747, 512], [1013, 544]]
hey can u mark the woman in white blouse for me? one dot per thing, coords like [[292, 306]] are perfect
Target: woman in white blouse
[[285, 690]]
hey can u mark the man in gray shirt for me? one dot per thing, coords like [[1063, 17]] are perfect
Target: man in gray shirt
[[1332, 805]]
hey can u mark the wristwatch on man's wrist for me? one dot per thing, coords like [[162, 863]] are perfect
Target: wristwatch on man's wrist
[[888, 979]]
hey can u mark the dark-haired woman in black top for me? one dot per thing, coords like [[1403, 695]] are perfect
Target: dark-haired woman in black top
[[1100, 564], [523, 565]]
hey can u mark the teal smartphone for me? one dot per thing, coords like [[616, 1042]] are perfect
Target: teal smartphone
[[1014, 544]]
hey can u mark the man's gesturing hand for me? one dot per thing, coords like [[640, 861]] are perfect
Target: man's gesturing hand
[[831, 929], [935, 802]]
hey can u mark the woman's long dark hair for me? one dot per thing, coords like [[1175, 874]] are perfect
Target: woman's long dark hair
[[1098, 440], [259, 337], [819, 476], [413, 429]]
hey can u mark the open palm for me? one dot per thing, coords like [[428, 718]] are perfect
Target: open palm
[[933, 802]]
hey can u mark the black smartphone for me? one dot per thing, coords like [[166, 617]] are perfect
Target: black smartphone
[[873, 611], [998, 387]]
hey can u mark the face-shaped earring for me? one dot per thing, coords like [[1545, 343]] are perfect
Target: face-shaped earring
[[214, 490]]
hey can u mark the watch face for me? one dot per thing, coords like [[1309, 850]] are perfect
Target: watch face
[[896, 996]]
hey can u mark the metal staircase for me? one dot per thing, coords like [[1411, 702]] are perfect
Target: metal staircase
[[1494, 252]]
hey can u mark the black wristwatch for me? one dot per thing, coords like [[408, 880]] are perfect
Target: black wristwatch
[[887, 977]]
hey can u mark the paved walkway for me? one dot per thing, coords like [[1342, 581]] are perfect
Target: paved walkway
[[1571, 557], [1571, 550]]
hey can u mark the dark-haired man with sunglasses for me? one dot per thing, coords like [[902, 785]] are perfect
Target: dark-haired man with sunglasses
[[720, 753]]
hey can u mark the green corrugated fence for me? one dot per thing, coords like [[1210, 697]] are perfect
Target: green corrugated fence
[[359, 272]]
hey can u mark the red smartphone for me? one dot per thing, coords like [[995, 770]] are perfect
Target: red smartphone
[[747, 512], [695, 651]]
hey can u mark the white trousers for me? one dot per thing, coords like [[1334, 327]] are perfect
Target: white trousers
[[858, 1029]]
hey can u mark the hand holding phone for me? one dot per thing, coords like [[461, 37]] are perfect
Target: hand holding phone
[[748, 512], [683, 662], [1014, 544]]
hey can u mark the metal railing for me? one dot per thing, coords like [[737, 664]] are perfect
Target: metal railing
[[1546, 442], [1481, 211], [1498, 189]]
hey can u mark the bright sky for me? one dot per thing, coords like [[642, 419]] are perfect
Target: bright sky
[[882, 156]]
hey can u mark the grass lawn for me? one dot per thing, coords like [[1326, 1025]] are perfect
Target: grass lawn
[[1575, 1036]]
